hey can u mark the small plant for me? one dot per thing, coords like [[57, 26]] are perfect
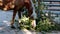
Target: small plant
[[44, 25], [25, 23]]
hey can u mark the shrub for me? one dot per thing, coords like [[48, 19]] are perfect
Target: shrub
[[25, 23], [44, 25]]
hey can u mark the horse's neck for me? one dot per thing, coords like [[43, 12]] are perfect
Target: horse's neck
[[34, 13], [33, 6]]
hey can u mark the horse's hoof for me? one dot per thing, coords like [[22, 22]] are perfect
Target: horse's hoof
[[13, 27]]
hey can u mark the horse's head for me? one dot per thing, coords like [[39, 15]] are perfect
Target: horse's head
[[34, 14]]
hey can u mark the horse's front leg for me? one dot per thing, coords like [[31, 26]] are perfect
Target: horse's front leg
[[19, 15], [14, 14]]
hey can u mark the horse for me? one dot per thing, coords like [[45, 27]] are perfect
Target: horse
[[16, 6]]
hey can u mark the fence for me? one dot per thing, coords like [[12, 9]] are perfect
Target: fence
[[53, 7]]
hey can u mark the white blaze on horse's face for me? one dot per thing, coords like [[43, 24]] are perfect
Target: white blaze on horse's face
[[34, 13]]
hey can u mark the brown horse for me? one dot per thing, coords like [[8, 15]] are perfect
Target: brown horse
[[16, 6]]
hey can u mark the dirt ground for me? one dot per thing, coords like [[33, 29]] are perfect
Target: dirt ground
[[5, 18]]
